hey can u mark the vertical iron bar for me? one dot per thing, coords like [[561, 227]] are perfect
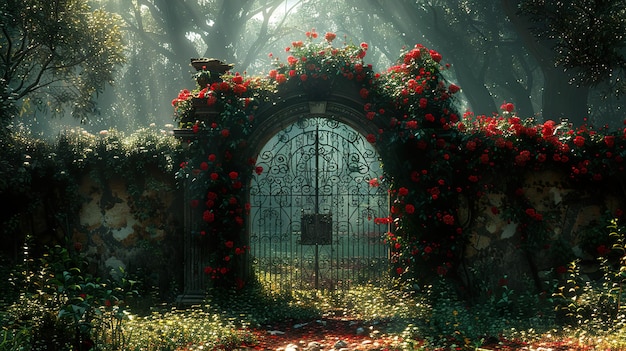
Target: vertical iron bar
[[316, 205]]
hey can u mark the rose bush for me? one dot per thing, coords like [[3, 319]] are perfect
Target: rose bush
[[434, 159]]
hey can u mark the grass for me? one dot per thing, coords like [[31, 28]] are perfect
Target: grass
[[404, 319], [393, 316]]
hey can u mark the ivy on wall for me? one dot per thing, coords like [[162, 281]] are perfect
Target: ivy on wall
[[41, 180], [434, 158]]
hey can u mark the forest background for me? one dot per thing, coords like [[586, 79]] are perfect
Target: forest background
[[554, 60]]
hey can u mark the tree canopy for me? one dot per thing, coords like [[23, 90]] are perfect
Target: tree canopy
[[588, 37], [55, 56], [552, 59]]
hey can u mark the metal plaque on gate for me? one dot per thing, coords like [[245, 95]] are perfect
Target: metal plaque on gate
[[316, 229]]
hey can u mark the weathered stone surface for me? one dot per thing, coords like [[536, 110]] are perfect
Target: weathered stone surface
[[115, 229], [114, 234]]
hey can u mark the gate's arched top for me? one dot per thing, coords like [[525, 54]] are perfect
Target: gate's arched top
[[341, 102]]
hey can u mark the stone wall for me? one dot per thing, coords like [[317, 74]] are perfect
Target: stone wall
[[134, 225], [137, 225], [573, 226]]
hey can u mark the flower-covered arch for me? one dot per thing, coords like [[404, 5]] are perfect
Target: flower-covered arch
[[229, 117], [437, 163]]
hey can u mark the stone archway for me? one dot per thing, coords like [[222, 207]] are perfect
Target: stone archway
[[340, 102]]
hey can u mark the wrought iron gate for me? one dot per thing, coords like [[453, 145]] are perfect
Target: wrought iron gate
[[312, 209]]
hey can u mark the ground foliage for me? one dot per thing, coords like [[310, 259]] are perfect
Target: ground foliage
[[60, 306]]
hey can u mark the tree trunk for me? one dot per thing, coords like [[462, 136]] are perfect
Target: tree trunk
[[477, 94], [560, 98]]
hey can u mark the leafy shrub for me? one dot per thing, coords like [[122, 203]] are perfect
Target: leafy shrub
[[61, 306], [597, 305]]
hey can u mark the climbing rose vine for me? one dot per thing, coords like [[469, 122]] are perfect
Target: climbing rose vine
[[434, 158]]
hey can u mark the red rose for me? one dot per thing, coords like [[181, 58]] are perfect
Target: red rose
[[233, 175], [225, 133], [579, 141], [330, 36], [364, 93], [229, 244], [239, 89], [484, 158], [211, 100], [403, 191], [409, 209], [507, 107], [435, 56], [208, 216]]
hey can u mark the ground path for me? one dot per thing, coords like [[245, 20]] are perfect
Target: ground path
[[346, 334], [325, 334]]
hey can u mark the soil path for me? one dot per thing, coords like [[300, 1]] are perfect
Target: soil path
[[325, 334]]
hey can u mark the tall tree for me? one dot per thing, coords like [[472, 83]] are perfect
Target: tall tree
[[163, 35], [55, 55], [589, 38], [579, 45], [560, 98]]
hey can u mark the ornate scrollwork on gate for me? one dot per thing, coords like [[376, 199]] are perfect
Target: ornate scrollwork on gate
[[312, 209]]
